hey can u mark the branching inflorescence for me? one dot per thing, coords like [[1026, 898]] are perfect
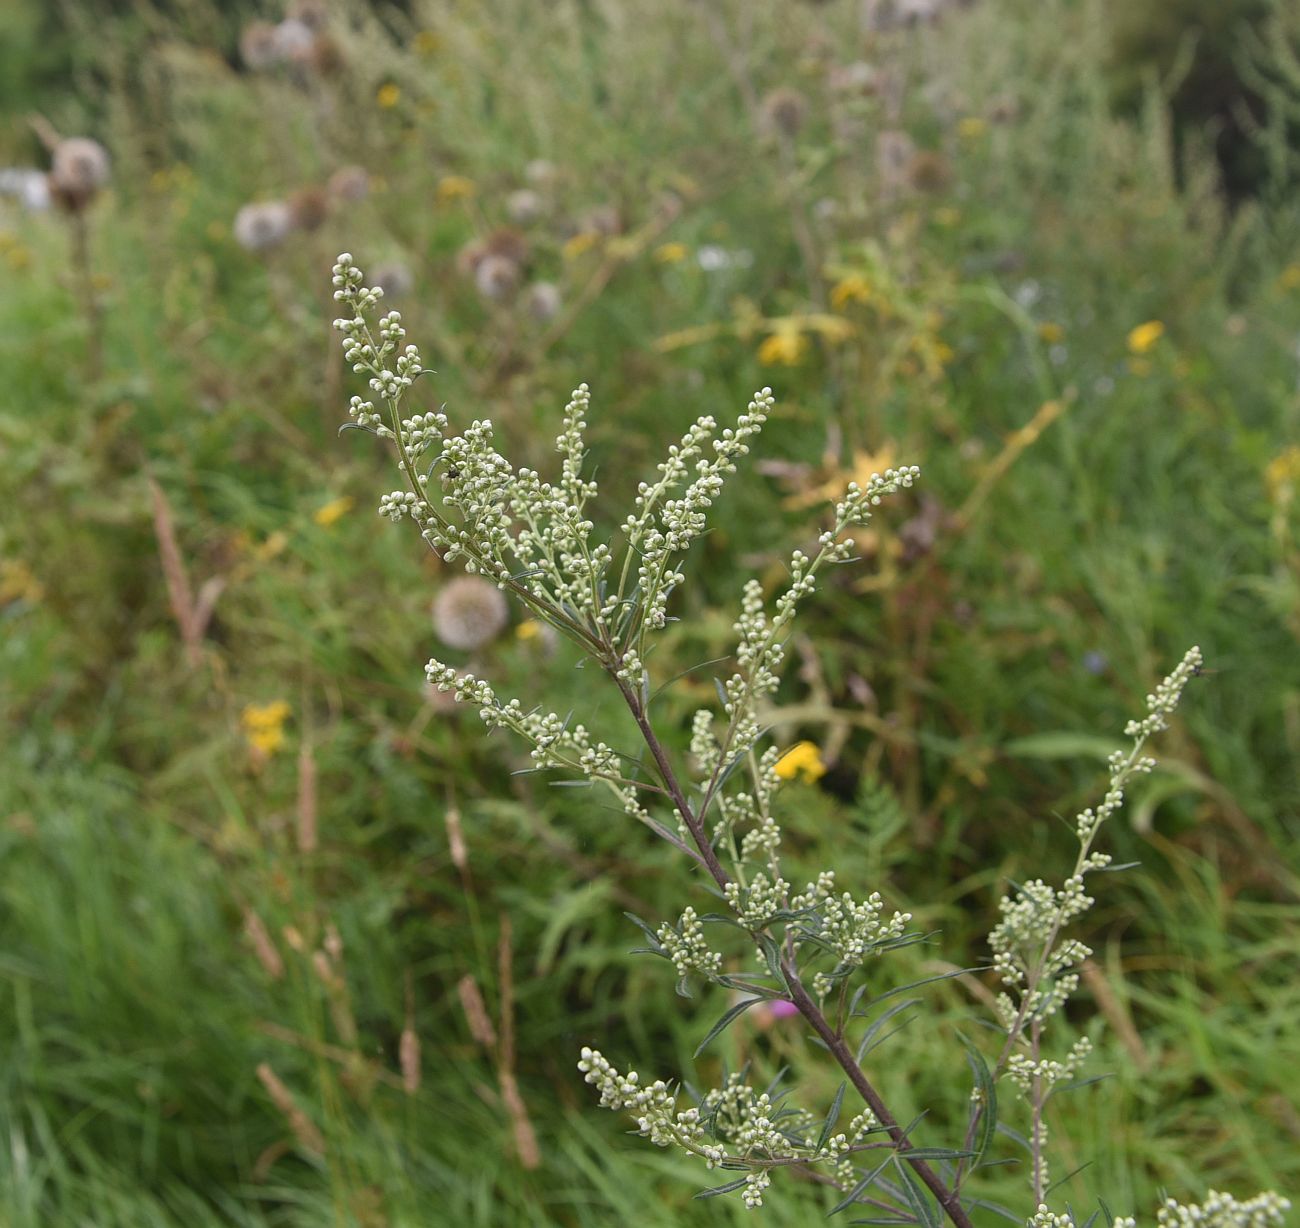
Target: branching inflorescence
[[536, 540]]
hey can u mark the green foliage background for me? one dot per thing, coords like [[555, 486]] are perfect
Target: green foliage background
[[965, 683]]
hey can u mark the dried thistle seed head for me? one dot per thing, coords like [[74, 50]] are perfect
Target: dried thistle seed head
[[350, 184], [496, 277], [858, 78], [471, 256], [784, 112], [311, 13], [510, 243], [469, 612], [326, 57], [542, 301], [263, 225], [894, 152], [79, 167], [294, 40], [602, 220], [525, 206], [928, 171], [258, 48], [30, 187], [541, 173], [394, 279], [309, 207]]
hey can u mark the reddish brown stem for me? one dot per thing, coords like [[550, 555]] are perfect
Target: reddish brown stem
[[809, 1009]]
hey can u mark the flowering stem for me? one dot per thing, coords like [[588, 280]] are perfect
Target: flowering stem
[[809, 1009]]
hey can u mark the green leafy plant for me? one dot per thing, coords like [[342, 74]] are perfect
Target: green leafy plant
[[768, 939]]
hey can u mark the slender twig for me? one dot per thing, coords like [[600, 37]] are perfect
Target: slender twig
[[1036, 1111]]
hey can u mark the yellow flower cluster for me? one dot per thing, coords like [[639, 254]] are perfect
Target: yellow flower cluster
[[1143, 338], [18, 583], [803, 761], [263, 725], [851, 289], [1282, 473], [671, 253], [785, 347], [454, 187], [580, 244], [333, 511]]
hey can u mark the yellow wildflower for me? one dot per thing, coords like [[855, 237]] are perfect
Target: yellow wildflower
[[972, 127], [529, 629], [388, 95], [786, 347], [1143, 338], [427, 42], [803, 761], [671, 253], [18, 583], [859, 470], [851, 289], [333, 511], [1052, 333], [454, 187], [581, 243], [1282, 473], [263, 725], [1289, 278]]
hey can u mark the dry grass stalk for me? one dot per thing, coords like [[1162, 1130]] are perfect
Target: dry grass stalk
[[263, 945], [525, 1137], [1116, 1012], [336, 990], [179, 594], [456, 840], [408, 1049], [307, 837], [476, 1013], [1017, 443], [349, 1059], [303, 1128]]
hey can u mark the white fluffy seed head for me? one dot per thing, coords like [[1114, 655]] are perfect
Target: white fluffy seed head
[[263, 225], [469, 612]]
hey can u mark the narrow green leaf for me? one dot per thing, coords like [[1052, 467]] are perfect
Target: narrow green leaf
[[997, 1209], [1063, 1180], [861, 1188], [729, 1188], [988, 1122], [726, 1021], [918, 1198], [865, 1044], [644, 928], [832, 1117], [771, 955]]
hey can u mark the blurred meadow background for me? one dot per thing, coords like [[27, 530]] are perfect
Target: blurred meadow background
[[286, 940]]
